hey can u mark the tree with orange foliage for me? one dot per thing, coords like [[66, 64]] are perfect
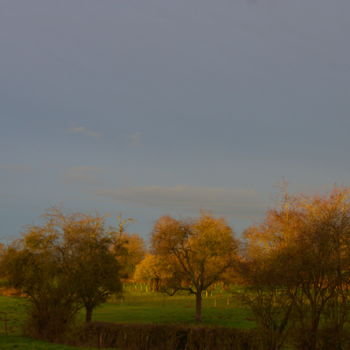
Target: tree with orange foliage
[[128, 248], [130, 251], [152, 271], [61, 266], [196, 253], [302, 249]]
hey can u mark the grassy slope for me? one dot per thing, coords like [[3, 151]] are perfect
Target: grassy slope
[[136, 307]]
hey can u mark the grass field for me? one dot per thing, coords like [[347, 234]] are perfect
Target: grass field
[[152, 308], [135, 307]]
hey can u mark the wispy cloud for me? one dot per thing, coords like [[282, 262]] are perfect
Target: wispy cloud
[[15, 167], [84, 174], [84, 131], [239, 203]]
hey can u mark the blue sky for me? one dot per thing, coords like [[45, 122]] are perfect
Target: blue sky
[[153, 107]]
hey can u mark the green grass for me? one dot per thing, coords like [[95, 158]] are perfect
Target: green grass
[[12, 315], [153, 308], [136, 306], [12, 318]]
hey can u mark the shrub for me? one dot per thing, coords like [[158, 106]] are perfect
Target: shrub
[[164, 337]]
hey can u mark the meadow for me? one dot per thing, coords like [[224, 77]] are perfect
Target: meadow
[[137, 305]]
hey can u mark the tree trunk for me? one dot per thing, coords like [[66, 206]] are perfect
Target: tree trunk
[[199, 306], [88, 315]]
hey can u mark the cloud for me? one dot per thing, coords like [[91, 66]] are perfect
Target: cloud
[[15, 167], [84, 131], [238, 203], [86, 174], [135, 139]]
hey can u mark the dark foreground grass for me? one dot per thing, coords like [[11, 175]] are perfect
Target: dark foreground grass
[[11, 342]]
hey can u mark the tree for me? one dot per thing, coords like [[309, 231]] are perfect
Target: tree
[[153, 271], [322, 264], [129, 249], [68, 262], [87, 248], [130, 252], [307, 241], [270, 293], [94, 269], [195, 252], [35, 266]]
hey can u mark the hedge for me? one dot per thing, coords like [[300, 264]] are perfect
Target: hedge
[[164, 337]]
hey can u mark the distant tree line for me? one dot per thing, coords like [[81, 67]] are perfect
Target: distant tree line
[[293, 268]]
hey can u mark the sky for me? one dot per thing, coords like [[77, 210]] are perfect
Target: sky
[[145, 108]]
